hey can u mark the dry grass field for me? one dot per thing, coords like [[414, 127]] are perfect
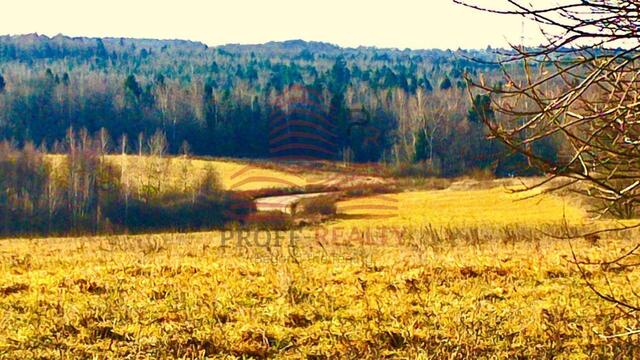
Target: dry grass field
[[465, 274], [496, 206], [163, 296], [178, 173]]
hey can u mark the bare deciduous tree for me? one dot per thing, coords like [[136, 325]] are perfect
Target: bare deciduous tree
[[581, 87]]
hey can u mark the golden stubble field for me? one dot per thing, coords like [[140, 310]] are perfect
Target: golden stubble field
[[465, 274]]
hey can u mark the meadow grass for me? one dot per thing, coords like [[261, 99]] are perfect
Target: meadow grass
[[497, 206], [178, 173], [472, 277], [169, 295]]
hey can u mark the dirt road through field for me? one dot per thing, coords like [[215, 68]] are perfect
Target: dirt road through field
[[284, 203]]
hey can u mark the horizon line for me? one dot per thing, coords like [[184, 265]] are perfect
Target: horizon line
[[255, 44]]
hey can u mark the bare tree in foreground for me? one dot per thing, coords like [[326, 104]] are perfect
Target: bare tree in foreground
[[581, 88]]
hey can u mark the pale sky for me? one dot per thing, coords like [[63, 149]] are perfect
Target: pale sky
[[416, 24]]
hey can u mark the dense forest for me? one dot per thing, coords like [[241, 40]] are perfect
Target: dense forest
[[401, 107]]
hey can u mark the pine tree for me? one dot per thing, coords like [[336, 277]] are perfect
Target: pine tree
[[426, 84], [340, 75], [131, 84], [101, 51], [420, 147], [445, 84], [481, 109]]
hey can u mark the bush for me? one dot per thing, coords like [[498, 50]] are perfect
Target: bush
[[370, 189], [205, 208], [269, 220], [425, 183], [321, 205], [421, 169], [210, 185], [179, 214], [481, 174], [237, 206], [82, 194]]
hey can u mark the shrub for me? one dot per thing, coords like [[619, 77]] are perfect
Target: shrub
[[269, 220], [237, 206], [481, 174], [426, 183], [82, 194], [321, 205], [210, 185], [421, 169], [370, 189]]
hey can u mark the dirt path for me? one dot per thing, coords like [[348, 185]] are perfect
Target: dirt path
[[284, 203]]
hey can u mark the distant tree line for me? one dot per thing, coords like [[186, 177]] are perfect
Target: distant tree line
[[392, 106]]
